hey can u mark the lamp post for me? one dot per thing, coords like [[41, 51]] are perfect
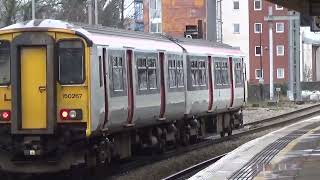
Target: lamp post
[[33, 6]]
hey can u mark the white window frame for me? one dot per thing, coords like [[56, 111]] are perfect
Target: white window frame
[[255, 73], [278, 7], [234, 32], [255, 51], [255, 30], [254, 5], [278, 74], [277, 30], [238, 3], [280, 54]]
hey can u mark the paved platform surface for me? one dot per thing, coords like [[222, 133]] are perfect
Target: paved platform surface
[[292, 152]]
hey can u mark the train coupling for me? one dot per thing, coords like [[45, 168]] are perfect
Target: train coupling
[[32, 146]]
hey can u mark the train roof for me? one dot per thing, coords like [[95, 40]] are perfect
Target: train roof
[[119, 38]]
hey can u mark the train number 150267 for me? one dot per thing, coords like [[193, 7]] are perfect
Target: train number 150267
[[72, 96]]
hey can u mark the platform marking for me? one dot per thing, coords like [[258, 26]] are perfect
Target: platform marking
[[290, 146], [285, 151]]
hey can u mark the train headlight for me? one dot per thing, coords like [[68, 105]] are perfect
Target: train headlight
[[73, 114], [64, 114]]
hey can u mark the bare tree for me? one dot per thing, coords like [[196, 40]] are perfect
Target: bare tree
[[68, 10]]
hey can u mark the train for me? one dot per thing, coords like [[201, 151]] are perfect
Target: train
[[79, 95]]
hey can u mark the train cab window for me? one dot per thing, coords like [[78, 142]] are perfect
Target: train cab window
[[198, 72], [175, 67], [71, 62], [4, 62], [117, 73], [147, 73]]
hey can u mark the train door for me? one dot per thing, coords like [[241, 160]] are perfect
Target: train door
[[33, 87]]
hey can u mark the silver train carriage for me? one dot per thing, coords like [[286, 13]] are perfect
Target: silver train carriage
[[72, 95]]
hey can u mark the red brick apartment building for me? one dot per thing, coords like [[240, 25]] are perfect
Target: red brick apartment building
[[259, 50], [173, 17]]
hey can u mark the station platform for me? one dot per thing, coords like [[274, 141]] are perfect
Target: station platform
[[292, 152]]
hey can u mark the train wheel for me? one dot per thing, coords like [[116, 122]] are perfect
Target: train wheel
[[229, 131], [222, 134], [185, 139]]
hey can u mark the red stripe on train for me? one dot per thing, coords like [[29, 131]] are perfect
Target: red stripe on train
[[210, 84], [130, 89], [162, 86], [231, 81]]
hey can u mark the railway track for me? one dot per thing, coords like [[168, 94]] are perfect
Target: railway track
[[186, 173], [249, 128]]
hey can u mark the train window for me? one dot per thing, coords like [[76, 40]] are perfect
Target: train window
[[142, 73], [152, 73], [225, 73], [147, 73], [221, 73], [218, 73], [238, 73], [4, 62], [117, 73], [71, 62], [198, 72], [176, 76]]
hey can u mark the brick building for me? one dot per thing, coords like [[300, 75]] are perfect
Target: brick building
[[174, 17], [259, 45]]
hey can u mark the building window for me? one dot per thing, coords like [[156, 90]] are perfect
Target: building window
[[156, 27], [280, 50], [236, 28], [175, 66], [257, 27], [257, 5], [147, 73], [259, 74], [278, 7], [258, 51], [280, 73], [236, 5], [279, 27], [198, 72]]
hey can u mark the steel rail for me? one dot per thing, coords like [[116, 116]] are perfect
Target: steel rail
[[186, 173]]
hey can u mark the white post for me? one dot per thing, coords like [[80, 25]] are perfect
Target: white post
[[33, 9], [96, 12], [271, 54], [90, 11]]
